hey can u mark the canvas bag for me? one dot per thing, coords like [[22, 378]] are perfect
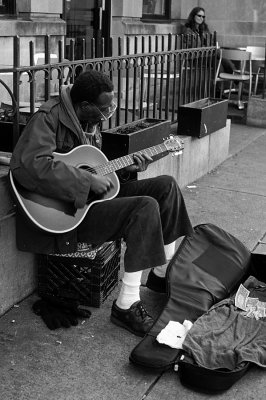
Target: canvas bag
[[224, 342], [207, 268]]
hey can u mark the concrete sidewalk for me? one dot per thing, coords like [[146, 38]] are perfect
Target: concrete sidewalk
[[90, 361]]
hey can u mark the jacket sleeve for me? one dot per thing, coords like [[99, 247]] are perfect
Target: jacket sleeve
[[34, 167]]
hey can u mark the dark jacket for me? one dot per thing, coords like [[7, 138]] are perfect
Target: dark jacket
[[194, 38], [50, 129]]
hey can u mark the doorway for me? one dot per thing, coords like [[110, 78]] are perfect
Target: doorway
[[88, 27]]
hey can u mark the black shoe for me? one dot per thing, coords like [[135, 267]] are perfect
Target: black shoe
[[136, 319], [156, 283]]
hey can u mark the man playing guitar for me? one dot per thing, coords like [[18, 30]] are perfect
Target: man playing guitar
[[149, 214]]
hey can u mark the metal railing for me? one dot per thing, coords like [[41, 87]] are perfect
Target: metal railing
[[148, 84], [84, 48]]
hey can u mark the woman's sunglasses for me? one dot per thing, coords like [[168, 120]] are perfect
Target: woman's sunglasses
[[200, 16]]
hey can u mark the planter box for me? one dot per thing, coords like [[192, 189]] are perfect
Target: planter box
[[134, 136], [202, 117]]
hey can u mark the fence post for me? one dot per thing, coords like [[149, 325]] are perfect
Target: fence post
[[47, 71], [32, 80], [16, 82]]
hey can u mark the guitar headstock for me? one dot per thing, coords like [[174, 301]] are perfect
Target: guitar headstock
[[174, 144]]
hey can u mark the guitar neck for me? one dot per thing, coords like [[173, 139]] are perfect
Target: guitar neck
[[125, 161]]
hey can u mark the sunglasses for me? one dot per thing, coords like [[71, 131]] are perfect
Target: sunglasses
[[200, 16], [105, 112]]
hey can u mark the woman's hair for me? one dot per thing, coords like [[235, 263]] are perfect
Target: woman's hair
[[190, 23], [89, 85]]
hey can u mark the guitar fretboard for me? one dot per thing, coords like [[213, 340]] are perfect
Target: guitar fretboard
[[125, 161]]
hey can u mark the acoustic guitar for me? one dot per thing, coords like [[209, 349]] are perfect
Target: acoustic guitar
[[56, 216]]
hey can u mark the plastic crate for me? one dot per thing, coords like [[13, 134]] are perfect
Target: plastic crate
[[88, 275]]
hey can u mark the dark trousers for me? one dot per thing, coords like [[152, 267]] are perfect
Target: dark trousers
[[146, 213]]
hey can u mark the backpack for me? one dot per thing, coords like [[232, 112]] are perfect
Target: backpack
[[207, 268]]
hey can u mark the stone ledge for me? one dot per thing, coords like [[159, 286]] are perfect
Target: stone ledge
[[199, 157]]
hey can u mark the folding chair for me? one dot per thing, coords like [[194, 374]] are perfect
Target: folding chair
[[241, 76], [258, 64]]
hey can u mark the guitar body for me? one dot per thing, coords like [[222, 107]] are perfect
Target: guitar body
[[56, 216]]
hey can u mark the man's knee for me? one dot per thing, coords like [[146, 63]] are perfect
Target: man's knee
[[150, 204], [166, 183]]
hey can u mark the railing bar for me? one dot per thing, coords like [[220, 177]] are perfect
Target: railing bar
[[32, 79], [155, 76], [174, 88], [135, 79], [102, 47], [118, 96], [93, 50], [181, 61], [60, 59], [142, 79], [167, 89], [83, 49], [127, 81], [16, 80], [47, 72], [149, 80], [161, 81]]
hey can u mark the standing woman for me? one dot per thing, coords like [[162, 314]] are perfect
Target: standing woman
[[196, 25]]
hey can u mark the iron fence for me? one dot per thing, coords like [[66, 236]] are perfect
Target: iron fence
[[149, 84], [85, 48]]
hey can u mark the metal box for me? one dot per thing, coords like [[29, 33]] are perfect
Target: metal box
[[202, 117]]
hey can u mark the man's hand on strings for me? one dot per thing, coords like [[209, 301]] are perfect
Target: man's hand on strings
[[142, 161]]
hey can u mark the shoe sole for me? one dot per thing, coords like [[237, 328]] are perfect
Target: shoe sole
[[122, 325]]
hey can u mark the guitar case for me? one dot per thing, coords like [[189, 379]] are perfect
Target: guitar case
[[207, 268]]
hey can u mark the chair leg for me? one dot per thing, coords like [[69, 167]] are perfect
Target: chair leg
[[257, 80], [221, 89], [240, 103], [256, 83], [230, 90]]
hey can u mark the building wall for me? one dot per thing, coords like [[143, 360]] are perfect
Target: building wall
[[35, 20], [239, 23]]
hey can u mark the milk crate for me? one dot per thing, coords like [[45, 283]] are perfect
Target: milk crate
[[88, 275]]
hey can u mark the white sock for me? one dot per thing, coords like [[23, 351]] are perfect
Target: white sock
[[129, 292], [169, 249]]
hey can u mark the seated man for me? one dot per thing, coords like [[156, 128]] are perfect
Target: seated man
[[148, 214]]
